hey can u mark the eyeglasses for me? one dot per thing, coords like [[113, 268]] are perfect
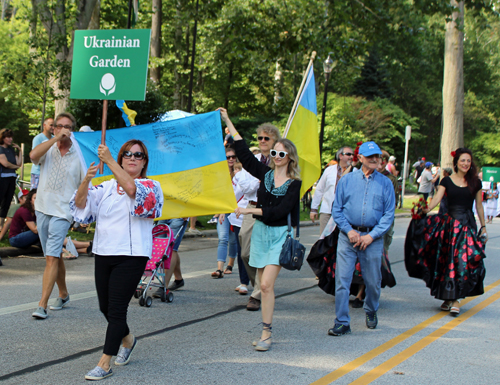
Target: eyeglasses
[[231, 157], [280, 154], [67, 126], [266, 138], [348, 153], [137, 155]]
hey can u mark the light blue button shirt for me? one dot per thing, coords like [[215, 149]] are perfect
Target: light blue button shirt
[[367, 202], [40, 138]]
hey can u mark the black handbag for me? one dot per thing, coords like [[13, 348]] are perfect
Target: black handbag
[[292, 252]]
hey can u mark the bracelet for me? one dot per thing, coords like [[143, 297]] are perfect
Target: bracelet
[[482, 227], [236, 133]]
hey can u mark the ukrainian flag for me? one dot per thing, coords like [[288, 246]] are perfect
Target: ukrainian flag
[[303, 132], [128, 115], [186, 156]]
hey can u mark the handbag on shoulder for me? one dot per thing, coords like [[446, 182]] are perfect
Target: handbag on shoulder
[[292, 252]]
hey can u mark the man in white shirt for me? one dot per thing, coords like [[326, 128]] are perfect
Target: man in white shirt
[[61, 173], [427, 181], [325, 189], [46, 134], [267, 135]]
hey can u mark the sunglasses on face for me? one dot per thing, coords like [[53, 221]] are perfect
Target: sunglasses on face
[[348, 153], [266, 138], [231, 157], [66, 126], [280, 154], [137, 155]]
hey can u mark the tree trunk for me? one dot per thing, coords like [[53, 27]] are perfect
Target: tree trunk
[[155, 72], [177, 53], [96, 16], [453, 85], [278, 83]]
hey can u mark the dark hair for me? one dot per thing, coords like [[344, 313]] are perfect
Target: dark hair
[[473, 182], [27, 203], [5, 133], [127, 146]]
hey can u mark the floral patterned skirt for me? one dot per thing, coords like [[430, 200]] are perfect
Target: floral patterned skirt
[[446, 253], [323, 259]]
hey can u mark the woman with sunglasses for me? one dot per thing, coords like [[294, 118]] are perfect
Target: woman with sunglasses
[[124, 209], [9, 163], [227, 239], [278, 195]]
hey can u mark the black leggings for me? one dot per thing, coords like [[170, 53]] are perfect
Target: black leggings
[[116, 279], [7, 190]]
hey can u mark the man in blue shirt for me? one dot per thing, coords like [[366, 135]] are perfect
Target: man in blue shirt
[[46, 134], [363, 210]]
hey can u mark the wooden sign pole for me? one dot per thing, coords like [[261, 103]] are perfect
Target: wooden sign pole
[[103, 129]]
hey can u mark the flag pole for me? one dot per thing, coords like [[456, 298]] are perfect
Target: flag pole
[[313, 56], [103, 129]]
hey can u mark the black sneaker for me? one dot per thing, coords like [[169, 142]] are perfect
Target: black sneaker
[[357, 303], [339, 330], [176, 285], [371, 320]]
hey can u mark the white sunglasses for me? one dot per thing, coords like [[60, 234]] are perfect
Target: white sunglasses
[[280, 154]]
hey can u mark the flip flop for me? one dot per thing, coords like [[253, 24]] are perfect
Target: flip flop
[[218, 274], [229, 270]]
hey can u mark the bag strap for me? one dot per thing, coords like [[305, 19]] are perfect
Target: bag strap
[[289, 220]]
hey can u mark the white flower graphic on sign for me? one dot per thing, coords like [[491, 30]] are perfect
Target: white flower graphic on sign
[[108, 84]]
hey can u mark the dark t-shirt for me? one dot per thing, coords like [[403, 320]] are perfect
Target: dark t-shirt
[[229, 139], [457, 196], [419, 170], [19, 220], [11, 157]]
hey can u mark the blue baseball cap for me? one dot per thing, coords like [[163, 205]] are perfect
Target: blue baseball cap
[[429, 164], [369, 149]]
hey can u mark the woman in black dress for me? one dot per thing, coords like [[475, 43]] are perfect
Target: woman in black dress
[[449, 250]]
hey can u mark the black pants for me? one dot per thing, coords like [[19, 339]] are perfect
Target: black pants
[[116, 278], [7, 189]]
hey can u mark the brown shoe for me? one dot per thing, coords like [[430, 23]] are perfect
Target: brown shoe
[[253, 304]]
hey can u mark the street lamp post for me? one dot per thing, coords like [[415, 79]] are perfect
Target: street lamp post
[[328, 65]]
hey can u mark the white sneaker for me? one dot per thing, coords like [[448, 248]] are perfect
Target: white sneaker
[[194, 231]]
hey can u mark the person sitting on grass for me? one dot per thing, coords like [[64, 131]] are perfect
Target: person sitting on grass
[[23, 231], [12, 210]]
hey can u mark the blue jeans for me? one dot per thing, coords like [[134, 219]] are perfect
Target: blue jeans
[[24, 239], [178, 228], [370, 260], [241, 266], [227, 240]]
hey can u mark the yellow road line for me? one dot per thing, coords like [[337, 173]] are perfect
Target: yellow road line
[[380, 370], [349, 367]]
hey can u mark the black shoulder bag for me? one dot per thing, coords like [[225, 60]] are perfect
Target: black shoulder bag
[[292, 252]]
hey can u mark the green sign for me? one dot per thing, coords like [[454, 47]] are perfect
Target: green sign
[[489, 172], [110, 64]]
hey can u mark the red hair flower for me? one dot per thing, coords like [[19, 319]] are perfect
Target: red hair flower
[[453, 154]]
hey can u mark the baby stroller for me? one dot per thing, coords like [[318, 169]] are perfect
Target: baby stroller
[[156, 266]]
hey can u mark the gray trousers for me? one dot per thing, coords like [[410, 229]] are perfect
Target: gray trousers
[[245, 238]]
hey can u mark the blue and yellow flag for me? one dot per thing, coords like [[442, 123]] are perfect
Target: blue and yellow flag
[[186, 156], [303, 132], [128, 115]]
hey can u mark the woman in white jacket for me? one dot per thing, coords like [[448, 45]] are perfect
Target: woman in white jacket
[[124, 209]]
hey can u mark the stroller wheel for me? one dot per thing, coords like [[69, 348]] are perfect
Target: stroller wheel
[[141, 301], [163, 297], [149, 301], [137, 294], [170, 296]]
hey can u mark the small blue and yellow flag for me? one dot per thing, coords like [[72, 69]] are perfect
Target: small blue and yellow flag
[[303, 132], [186, 156], [128, 115]]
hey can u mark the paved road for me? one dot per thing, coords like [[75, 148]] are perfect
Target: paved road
[[205, 335]]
